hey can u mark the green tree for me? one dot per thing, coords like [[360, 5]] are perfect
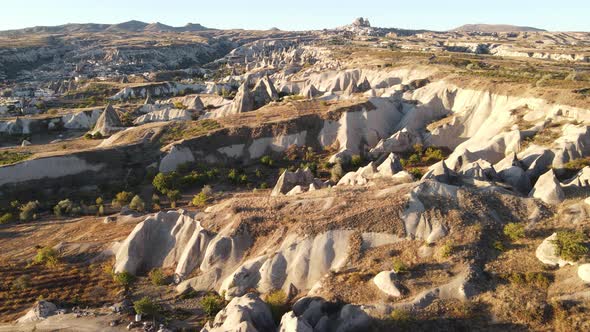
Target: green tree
[[146, 306], [173, 196]]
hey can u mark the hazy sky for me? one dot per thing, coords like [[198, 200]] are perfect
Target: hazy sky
[[301, 14]]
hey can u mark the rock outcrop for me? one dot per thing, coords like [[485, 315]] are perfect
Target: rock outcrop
[[548, 189], [547, 253], [584, 272], [163, 115], [247, 313], [40, 311], [386, 281], [300, 181]]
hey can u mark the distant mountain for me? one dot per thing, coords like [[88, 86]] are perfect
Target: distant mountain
[[495, 28], [130, 26]]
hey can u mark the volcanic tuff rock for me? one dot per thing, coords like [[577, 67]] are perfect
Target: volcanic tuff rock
[[108, 123], [548, 189], [40, 310], [247, 313], [547, 253]]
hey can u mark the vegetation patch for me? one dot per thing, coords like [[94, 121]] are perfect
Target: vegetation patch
[[11, 157], [570, 245]]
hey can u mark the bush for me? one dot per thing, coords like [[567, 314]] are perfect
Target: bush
[[6, 218], [267, 160], [399, 266], [447, 249], [146, 306], [400, 317], [514, 231], [570, 245], [47, 256], [356, 161], [124, 279], [212, 304], [122, 198], [233, 175], [21, 283], [277, 301], [416, 173], [28, 211], [66, 207], [157, 277], [433, 155], [336, 172], [137, 204], [200, 200], [173, 196]]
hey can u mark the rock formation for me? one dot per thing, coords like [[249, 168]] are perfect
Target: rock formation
[[548, 189], [247, 313], [108, 123], [303, 179]]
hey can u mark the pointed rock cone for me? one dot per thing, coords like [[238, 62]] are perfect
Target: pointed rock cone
[[310, 92], [148, 99], [108, 122]]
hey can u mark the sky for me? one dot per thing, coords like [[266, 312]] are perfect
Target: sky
[[571, 15]]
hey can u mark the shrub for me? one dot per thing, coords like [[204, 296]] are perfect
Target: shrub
[[157, 277], [66, 207], [47, 256], [266, 160], [137, 204], [336, 172], [243, 179], [179, 105], [212, 304], [447, 249], [122, 198], [155, 198], [101, 210], [233, 175], [401, 317], [414, 159], [514, 231], [264, 185], [6, 218], [173, 196], [146, 306], [399, 266], [498, 245], [21, 283], [433, 155], [200, 200], [28, 211], [356, 161], [416, 173], [124, 279], [570, 245], [277, 301], [99, 201]]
